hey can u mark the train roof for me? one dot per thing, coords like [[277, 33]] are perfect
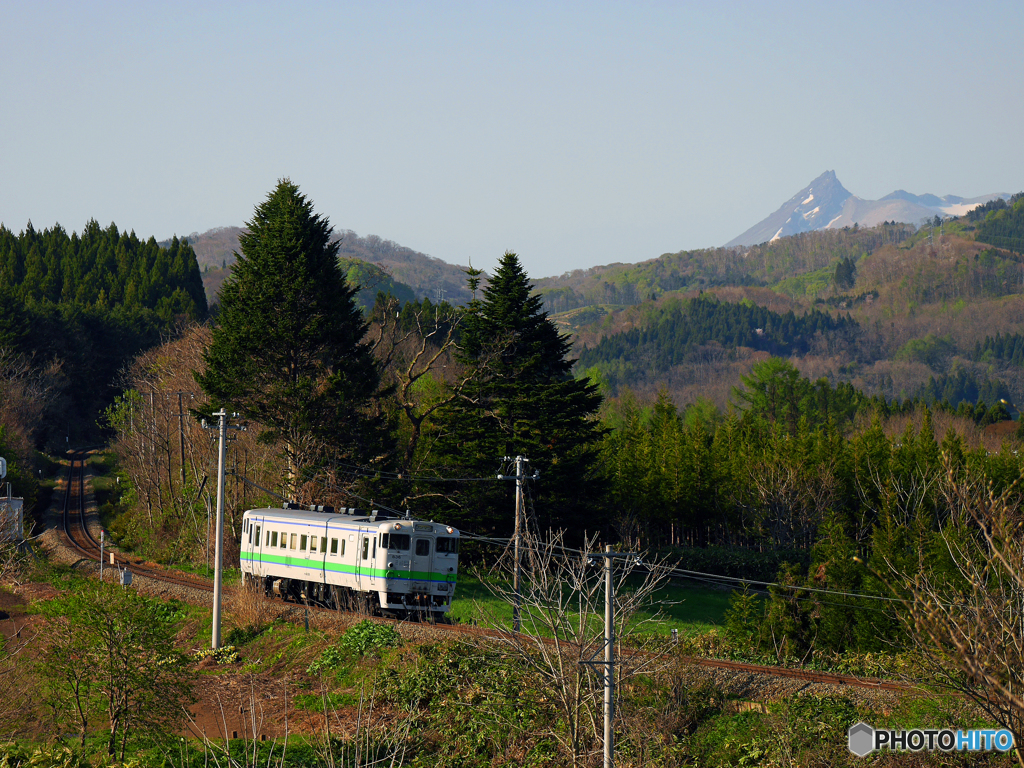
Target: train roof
[[350, 514]]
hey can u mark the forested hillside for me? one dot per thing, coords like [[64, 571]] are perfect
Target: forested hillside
[[1004, 226], [768, 264], [926, 313], [675, 332], [77, 308], [389, 265]]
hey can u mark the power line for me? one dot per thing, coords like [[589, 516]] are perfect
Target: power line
[[708, 577], [377, 474]]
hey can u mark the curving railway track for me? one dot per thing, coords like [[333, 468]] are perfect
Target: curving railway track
[[76, 531], [81, 540]]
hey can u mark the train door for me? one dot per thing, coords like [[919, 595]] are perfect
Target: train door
[[257, 544], [422, 558], [372, 582], [363, 560], [306, 545], [322, 556], [247, 531]]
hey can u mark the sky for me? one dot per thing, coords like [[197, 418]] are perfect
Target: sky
[[575, 134]]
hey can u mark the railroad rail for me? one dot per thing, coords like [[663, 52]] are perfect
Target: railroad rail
[[810, 676], [77, 532], [81, 540]]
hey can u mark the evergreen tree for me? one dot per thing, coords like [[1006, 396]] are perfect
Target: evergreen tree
[[522, 400], [288, 351]]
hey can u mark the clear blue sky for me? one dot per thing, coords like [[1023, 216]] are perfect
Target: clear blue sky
[[575, 134]]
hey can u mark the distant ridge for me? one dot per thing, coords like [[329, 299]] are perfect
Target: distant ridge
[[826, 204], [427, 276]]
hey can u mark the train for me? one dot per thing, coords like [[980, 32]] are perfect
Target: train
[[353, 559]]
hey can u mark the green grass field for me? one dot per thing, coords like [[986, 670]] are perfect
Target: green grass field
[[688, 609]]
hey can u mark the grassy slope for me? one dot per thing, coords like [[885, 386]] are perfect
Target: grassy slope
[[685, 608]]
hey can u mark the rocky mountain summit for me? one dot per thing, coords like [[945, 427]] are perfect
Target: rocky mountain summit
[[826, 204]]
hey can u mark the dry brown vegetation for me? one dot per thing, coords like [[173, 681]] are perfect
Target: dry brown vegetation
[[168, 458]]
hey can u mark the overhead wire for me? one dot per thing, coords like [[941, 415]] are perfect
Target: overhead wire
[[710, 578]]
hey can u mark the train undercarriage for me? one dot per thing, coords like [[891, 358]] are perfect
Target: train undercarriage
[[414, 607]]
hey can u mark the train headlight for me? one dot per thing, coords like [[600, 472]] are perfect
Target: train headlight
[[450, 529], [397, 526]]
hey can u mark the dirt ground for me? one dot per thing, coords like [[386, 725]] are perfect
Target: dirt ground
[[231, 702]]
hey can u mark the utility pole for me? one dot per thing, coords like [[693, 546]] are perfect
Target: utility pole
[[609, 660], [181, 434], [609, 652], [222, 429], [519, 477]]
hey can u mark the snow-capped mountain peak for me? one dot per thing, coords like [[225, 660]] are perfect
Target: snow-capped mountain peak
[[826, 204]]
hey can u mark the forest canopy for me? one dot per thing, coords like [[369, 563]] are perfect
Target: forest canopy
[[84, 305]]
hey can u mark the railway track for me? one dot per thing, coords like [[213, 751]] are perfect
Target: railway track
[[81, 540], [76, 530]]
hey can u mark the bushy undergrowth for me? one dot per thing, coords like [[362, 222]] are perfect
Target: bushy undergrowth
[[472, 706], [363, 638], [720, 644]]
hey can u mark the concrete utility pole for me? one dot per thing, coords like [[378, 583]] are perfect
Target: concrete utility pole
[[609, 652], [519, 477], [609, 659], [222, 429]]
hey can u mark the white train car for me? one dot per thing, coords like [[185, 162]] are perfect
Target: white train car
[[351, 558]]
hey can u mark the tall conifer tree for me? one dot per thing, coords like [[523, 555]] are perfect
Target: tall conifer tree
[[523, 400], [288, 349]]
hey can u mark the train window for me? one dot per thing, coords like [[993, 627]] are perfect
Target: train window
[[384, 541], [293, 541], [250, 536], [366, 547], [268, 539], [444, 544], [422, 547], [302, 543], [342, 547], [374, 546], [312, 543], [399, 541], [334, 546], [323, 543], [257, 535], [273, 538]]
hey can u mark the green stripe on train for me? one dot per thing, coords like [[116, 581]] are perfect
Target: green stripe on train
[[377, 573]]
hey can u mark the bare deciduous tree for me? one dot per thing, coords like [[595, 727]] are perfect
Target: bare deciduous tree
[[170, 460], [967, 620], [790, 500], [562, 630]]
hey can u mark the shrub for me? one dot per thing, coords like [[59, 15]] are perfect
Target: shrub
[[367, 636], [243, 635], [359, 640]]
